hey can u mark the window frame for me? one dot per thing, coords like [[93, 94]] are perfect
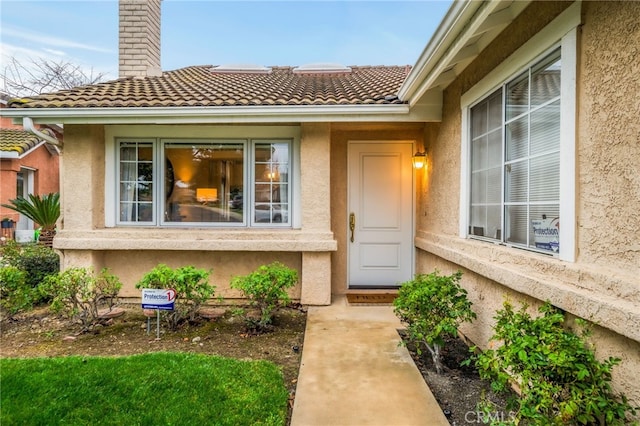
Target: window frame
[[562, 33], [159, 169]]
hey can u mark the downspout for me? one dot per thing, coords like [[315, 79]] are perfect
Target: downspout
[[27, 124]]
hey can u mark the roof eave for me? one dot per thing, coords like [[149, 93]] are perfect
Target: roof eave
[[450, 49], [226, 114]]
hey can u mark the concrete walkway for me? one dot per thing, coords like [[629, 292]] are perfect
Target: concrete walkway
[[354, 373]]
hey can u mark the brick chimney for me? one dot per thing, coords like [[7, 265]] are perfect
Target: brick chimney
[[139, 38]]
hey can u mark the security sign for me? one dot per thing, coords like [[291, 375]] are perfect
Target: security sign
[[158, 298]]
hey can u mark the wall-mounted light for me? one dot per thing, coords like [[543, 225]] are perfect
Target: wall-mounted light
[[419, 160]]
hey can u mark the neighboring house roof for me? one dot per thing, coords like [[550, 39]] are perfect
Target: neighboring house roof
[[204, 86], [18, 141]]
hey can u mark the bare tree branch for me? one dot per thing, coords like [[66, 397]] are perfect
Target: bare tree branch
[[38, 76]]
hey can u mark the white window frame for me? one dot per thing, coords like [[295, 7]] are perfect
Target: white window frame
[[562, 32], [251, 136]]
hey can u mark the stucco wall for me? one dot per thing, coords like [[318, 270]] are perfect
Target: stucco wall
[[602, 284], [341, 134], [609, 135], [86, 240]]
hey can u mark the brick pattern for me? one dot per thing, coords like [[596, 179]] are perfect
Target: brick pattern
[[200, 86], [139, 38]]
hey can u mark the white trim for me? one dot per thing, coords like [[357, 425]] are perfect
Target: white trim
[[562, 32], [15, 155], [465, 178], [161, 134], [222, 114], [568, 116]]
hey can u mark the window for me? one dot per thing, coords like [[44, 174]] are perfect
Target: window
[[202, 182], [515, 160]]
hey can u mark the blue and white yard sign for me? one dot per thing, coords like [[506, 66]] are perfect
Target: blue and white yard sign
[[158, 298]]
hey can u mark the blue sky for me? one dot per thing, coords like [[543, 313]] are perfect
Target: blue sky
[[208, 32]]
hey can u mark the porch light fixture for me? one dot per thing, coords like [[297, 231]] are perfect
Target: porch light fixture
[[419, 159]]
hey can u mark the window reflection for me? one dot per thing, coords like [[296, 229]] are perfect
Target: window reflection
[[206, 181]]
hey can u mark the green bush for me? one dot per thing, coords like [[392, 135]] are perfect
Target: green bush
[[433, 306], [192, 290], [560, 380], [15, 294], [266, 289], [37, 261], [79, 293]]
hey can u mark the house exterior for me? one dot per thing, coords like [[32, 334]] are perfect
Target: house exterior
[[527, 112], [28, 165]]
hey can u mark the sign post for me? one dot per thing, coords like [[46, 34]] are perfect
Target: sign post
[[160, 299]]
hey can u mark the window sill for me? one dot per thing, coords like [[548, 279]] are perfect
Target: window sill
[[196, 240]]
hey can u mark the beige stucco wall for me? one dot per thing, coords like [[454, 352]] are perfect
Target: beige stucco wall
[[341, 134], [85, 240], [602, 285]]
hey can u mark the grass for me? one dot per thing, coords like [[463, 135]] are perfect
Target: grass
[[149, 389]]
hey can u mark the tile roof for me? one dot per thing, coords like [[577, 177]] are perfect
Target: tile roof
[[17, 140], [199, 86]]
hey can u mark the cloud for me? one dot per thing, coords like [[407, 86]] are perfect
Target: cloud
[[50, 41], [55, 52]]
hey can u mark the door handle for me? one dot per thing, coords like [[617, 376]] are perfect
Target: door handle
[[352, 224]]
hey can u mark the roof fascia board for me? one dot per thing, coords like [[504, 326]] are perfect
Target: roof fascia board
[[190, 115], [463, 21]]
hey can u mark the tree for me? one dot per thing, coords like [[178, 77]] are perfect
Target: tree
[[36, 76], [43, 210]]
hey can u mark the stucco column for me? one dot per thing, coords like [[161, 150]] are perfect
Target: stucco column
[[82, 200], [315, 161], [316, 278], [315, 170]]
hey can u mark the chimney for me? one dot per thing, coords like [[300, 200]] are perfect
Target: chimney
[[139, 38]]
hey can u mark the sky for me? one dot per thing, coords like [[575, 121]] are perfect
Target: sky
[[215, 32]]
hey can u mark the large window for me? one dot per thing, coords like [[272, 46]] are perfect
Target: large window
[[515, 160], [202, 183]]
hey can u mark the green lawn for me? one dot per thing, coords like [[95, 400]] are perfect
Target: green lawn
[[149, 389]]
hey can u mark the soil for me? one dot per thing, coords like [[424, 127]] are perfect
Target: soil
[[40, 333], [458, 389]]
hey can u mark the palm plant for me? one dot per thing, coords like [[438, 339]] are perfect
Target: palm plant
[[43, 210]]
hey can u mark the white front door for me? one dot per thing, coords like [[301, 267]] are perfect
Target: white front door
[[380, 214]]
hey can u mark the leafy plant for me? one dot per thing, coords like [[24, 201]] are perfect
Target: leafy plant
[[266, 289], [15, 294], [192, 290], [561, 382], [78, 293], [43, 210], [433, 306], [37, 261]]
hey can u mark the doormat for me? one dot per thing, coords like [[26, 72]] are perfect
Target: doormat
[[371, 299]]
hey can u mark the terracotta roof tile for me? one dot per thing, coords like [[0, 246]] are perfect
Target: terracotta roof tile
[[199, 86], [17, 140]]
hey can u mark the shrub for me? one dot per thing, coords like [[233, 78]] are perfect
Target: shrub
[[37, 261], [561, 381], [433, 306], [78, 293], [266, 289], [15, 294], [192, 290]]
